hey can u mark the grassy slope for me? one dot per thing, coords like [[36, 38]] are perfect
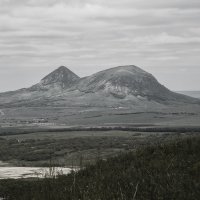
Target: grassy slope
[[169, 171]]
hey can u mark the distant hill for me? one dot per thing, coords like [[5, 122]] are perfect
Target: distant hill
[[195, 94]]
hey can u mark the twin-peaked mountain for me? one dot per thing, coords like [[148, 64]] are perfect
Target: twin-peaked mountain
[[127, 85]]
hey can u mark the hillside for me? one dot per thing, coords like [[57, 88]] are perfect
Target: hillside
[[164, 171]]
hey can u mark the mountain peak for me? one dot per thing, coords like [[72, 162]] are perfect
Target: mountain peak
[[131, 68], [59, 70], [62, 68], [126, 71], [62, 77]]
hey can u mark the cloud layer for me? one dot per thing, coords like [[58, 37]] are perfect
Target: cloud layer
[[161, 36]]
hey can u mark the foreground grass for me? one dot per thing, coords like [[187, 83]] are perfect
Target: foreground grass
[[167, 171]]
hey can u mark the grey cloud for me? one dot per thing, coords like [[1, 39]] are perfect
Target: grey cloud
[[90, 35]]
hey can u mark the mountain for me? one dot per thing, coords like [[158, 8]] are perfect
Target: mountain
[[61, 78], [52, 84], [123, 85], [124, 81]]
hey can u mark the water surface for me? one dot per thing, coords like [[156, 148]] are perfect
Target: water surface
[[31, 172]]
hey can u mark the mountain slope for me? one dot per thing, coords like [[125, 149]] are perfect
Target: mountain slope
[[123, 85]]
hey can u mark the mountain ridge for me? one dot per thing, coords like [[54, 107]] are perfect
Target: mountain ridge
[[127, 84]]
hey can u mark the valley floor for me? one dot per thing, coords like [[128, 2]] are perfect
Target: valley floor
[[75, 148], [91, 138]]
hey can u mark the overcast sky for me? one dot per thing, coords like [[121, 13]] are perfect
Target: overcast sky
[[160, 36]]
